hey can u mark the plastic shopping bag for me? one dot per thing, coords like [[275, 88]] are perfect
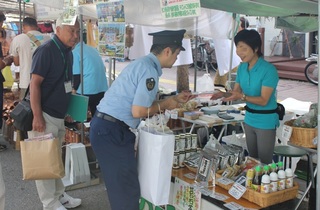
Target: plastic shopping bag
[[205, 84], [155, 159], [6, 72], [76, 165]]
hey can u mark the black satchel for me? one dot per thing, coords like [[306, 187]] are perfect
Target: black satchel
[[280, 110], [22, 114]]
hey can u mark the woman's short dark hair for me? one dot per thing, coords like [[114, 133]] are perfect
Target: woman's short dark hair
[[251, 38], [2, 17]]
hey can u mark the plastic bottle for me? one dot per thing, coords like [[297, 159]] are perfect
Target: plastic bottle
[[265, 183], [249, 177], [256, 182], [273, 181], [281, 179], [265, 180], [289, 178]]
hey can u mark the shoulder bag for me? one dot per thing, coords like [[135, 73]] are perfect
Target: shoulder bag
[[22, 114]]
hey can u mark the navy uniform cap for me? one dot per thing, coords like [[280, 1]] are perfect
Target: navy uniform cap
[[169, 37]]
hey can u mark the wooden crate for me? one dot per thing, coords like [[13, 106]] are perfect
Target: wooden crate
[[265, 200]]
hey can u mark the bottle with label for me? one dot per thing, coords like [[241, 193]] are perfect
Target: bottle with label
[[176, 163], [281, 179], [256, 182], [273, 182], [289, 178], [249, 177], [265, 184]]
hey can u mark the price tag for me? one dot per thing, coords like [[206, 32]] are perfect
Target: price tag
[[237, 190], [174, 114], [190, 175], [219, 196], [224, 181], [241, 180], [286, 132], [233, 206]]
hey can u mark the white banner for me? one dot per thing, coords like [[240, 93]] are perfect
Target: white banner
[[172, 9]]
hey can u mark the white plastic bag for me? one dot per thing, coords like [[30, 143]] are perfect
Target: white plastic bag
[[205, 84], [76, 165], [155, 158]]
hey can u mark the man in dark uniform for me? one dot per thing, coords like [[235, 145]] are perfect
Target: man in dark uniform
[[132, 97]]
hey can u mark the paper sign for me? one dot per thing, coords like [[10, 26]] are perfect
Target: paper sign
[[185, 196], [286, 132], [237, 190]]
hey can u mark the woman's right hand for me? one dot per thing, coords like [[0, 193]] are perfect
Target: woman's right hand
[[217, 95]]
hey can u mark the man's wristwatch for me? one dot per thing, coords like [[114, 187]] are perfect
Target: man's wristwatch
[[244, 97]]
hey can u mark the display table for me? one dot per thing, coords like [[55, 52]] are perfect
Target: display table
[[238, 118], [211, 203]]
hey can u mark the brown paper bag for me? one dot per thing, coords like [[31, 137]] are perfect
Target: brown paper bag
[[41, 160]]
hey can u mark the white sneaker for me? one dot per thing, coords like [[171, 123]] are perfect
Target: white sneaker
[[69, 202]]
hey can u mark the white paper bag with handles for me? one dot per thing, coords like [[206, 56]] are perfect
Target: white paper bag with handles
[[155, 158], [76, 165]]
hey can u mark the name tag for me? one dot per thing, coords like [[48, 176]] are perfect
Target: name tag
[[68, 87]]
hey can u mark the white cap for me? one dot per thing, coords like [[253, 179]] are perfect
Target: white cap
[[273, 176], [265, 178], [281, 174], [289, 172]]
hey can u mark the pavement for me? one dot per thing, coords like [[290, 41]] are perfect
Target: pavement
[[22, 195]]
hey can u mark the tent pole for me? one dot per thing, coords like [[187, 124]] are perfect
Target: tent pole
[[195, 59], [231, 51], [318, 144], [20, 18], [81, 68]]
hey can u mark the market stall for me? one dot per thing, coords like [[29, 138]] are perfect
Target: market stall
[[289, 192]]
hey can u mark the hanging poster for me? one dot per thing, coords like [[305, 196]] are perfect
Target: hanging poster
[[185, 197], [172, 9], [111, 27], [111, 39], [111, 11]]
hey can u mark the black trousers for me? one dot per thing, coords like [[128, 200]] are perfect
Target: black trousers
[[94, 100]]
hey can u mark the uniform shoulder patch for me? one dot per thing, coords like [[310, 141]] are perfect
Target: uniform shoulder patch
[[150, 83]]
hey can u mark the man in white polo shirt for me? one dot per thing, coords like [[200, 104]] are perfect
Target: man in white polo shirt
[[22, 48]]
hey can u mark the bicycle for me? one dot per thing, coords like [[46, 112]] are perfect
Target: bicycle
[[311, 69], [204, 57]]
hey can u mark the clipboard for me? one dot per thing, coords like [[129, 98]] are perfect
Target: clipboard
[[78, 107]]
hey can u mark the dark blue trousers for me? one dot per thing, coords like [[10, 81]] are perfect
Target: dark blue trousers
[[113, 145]]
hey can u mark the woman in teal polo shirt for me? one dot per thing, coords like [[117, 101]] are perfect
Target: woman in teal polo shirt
[[256, 85]]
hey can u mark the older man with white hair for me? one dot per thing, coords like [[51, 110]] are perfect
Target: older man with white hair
[[50, 91]]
